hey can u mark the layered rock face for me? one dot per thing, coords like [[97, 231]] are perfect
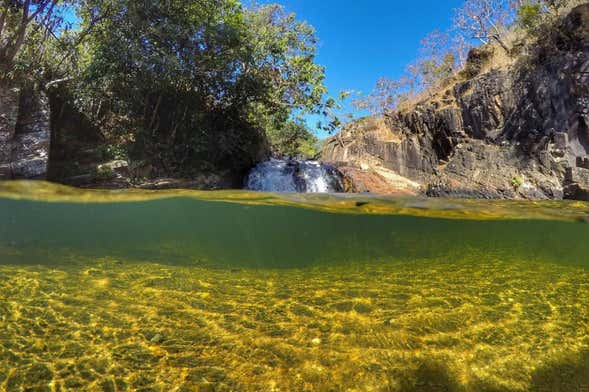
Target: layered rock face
[[24, 134], [512, 131]]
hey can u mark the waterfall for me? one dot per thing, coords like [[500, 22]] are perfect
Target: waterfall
[[279, 175]]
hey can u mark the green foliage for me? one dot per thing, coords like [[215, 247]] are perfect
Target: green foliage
[[185, 83], [517, 182], [293, 139], [529, 15], [334, 113], [36, 39]]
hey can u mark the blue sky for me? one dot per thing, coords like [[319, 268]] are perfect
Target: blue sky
[[362, 40]]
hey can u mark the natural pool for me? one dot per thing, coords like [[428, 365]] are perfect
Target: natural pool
[[238, 291]]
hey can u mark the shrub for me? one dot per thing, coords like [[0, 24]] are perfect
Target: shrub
[[529, 16], [517, 182]]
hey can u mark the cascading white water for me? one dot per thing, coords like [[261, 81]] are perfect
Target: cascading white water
[[277, 175], [272, 176], [316, 177]]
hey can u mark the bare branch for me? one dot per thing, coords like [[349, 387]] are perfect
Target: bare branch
[[484, 20], [58, 81]]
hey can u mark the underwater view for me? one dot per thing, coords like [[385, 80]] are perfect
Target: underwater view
[[242, 291]]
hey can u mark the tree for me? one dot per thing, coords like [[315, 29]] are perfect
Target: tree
[[334, 112], [435, 44], [434, 71], [436, 64], [438, 60], [484, 20], [383, 99], [460, 48], [293, 139], [443, 52], [19, 19], [37, 41], [185, 82], [281, 52], [529, 15]]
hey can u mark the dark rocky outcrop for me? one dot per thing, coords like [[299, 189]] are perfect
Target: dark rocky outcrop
[[24, 133], [511, 131]]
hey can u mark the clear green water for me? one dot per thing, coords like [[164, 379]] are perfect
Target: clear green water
[[236, 291]]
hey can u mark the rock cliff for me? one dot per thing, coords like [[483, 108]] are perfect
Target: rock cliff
[[517, 130], [24, 133]]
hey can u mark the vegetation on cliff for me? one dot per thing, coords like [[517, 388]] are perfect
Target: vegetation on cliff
[[504, 27], [184, 85]]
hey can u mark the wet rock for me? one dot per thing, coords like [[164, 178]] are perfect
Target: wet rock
[[196, 387], [377, 179], [143, 382], [136, 356], [576, 191], [576, 183], [363, 308], [426, 313], [583, 162], [14, 381], [301, 310]]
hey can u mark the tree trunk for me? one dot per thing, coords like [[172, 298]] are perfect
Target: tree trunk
[[3, 19], [10, 51], [154, 114]]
